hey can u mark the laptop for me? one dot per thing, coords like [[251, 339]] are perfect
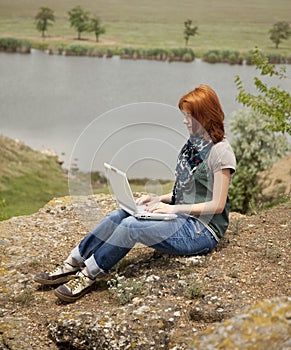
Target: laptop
[[124, 197]]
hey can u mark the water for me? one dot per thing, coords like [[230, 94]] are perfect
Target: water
[[91, 110]]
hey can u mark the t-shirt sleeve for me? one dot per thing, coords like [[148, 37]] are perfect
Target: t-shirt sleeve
[[222, 157]]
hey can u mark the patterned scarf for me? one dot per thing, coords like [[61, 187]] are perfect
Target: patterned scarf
[[191, 155]]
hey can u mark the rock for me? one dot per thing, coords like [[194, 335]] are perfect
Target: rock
[[141, 328], [163, 314], [13, 335], [265, 326], [207, 313]]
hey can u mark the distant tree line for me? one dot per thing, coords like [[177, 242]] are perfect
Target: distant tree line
[[78, 17], [82, 21]]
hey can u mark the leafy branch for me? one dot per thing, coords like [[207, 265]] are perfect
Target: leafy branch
[[272, 102]]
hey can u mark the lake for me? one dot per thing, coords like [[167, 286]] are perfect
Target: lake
[[90, 110]]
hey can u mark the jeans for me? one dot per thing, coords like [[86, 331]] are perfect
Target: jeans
[[118, 232]]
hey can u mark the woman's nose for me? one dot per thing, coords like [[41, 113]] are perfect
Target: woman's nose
[[185, 120]]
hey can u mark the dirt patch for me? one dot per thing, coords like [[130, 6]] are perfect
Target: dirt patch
[[251, 263]]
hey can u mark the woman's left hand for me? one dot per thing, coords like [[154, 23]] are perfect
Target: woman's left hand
[[162, 208]]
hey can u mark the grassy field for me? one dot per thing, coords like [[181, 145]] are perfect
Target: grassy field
[[223, 24], [28, 179]]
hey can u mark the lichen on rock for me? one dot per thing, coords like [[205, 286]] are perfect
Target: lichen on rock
[[265, 326]]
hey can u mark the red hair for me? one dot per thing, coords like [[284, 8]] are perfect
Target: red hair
[[203, 105]]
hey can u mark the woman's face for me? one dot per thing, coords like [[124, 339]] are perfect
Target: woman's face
[[188, 121], [193, 126]]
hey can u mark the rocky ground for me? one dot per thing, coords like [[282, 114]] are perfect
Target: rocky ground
[[160, 301]]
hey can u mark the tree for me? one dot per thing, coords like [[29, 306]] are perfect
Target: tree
[[256, 149], [79, 19], [43, 19], [280, 31], [272, 102], [189, 30], [95, 26]]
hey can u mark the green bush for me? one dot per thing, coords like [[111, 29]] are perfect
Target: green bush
[[248, 57], [276, 58], [15, 45], [187, 57], [76, 50], [40, 46], [211, 57], [256, 148], [95, 52], [175, 54], [126, 52], [24, 46], [8, 44], [223, 56], [109, 53]]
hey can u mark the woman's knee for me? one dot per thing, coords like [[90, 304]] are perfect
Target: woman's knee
[[117, 215]]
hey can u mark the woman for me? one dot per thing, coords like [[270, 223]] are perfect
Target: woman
[[199, 198]]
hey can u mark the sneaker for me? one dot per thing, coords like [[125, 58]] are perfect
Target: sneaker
[[60, 274], [75, 288]]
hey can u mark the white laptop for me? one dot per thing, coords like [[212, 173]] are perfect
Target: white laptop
[[124, 197]]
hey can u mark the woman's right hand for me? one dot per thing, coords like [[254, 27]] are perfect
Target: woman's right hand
[[146, 199]]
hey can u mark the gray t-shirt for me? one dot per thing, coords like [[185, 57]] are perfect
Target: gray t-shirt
[[221, 156]]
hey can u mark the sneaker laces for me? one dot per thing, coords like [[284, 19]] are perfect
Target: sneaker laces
[[55, 270], [59, 269], [76, 281]]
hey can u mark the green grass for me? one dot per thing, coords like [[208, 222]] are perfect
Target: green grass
[[28, 179], [223, 24]]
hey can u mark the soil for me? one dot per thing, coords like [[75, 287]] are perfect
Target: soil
[[251, 263]]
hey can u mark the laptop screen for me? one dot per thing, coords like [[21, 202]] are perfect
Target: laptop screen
[[120, 187]]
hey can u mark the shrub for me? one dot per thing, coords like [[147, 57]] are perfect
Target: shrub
[[224, 56], [76, 50], [194, 291], [124, 289], [126, 52], [256, 148], [9, 44], [15, 45], [40, 46], [187, 57], [211, 56], [24, 46], [109, 53], [95, 52]]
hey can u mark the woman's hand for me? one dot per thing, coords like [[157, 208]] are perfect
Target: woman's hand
[[147, 199], [160, 207]]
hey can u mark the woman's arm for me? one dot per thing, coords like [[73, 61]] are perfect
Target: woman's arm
[[215, 206]]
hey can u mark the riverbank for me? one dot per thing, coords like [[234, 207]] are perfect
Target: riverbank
[[11, 45]]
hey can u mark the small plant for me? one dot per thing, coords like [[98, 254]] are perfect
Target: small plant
[[25, 297], [235, 226], [124, 290], [234, 274], [273, 254], [194, 291]]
